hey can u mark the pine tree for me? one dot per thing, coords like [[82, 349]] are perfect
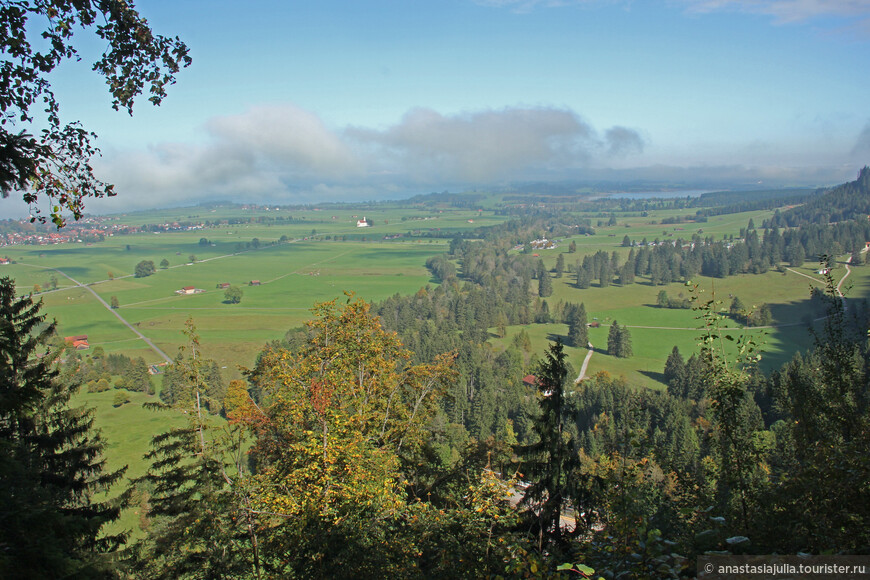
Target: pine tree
[[548, 464], [578, 333], [584, 276], [625, 348], [545, 284], [51, 459], [203, 525], [138, 377], [675, 370], [614, 337], [560, 265]]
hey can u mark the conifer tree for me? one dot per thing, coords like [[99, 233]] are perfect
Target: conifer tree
[[51, 459], [675, 370], [625, 348], [614, 337], [578, 333], [545, 284], [560, 265], [548, 464], [202, 525]]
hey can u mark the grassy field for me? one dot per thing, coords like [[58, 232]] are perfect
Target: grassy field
[[323, 255]]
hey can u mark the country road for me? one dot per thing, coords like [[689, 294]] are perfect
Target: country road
[[582, 374], [115, 312]]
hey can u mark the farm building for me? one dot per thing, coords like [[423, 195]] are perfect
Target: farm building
[[254, 283], [223, 285], [79, 342], [189, 290]]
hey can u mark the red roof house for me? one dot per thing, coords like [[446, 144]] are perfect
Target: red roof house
[[79, 342]]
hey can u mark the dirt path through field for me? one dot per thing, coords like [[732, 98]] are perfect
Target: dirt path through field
[[115, 312]]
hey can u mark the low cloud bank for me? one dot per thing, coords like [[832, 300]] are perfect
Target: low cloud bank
[[282, 153]]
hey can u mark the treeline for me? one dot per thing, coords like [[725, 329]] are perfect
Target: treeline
[[179, 385], [849, 201], [728, 202], [100, 371], [710, 204], [682, 260]]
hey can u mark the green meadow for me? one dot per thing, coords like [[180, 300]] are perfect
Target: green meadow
[[300, 257]]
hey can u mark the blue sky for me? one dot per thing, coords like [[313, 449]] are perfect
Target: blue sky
[[333, 100]]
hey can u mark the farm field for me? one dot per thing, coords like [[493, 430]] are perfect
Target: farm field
[[283, 269], [291, 278]]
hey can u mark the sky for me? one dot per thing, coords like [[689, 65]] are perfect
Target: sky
[[335, 100]]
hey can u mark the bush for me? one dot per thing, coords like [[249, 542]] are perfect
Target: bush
[[121, 398]]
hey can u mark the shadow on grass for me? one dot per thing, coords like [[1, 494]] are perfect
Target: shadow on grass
[[658, 377], [553, 337]]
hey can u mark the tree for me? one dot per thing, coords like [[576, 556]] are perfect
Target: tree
[[578, 333], [164, 263], [572, 247], [119, 399], [560, 265], [542, 314], [675, 370], [203, 524], [54, 167], [736, 417], [584, 275], [191, 258], [626, 242], [114, 302], [144, 268], [545, 283], [548, 464], [619, 341], [233, 295], [138, 377], [626, 349], [662, 300], [338, 417], [51, 525]]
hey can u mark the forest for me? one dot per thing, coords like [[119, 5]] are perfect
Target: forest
[[390, 439]]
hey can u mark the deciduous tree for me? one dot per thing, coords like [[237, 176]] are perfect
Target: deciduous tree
[[144, 268], [54, 167], [233, 295]]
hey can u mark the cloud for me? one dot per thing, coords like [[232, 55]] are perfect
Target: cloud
[[285, 135], [622, 141], [484, 145], [284, 153], [787, 11]]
